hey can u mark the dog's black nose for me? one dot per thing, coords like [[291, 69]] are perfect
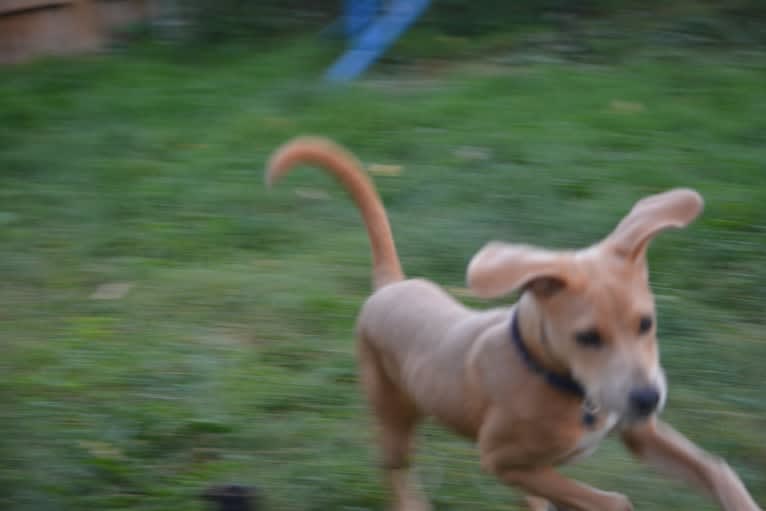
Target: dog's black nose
[[644, 401]]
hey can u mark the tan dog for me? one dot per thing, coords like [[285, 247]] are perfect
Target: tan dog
[[537, 384]]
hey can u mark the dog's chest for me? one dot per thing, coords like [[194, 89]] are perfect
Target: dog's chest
[[589, 441]]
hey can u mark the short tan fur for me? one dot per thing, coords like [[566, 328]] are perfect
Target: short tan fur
[[585, 313]]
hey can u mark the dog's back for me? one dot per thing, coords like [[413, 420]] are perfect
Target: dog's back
[[422, 334]]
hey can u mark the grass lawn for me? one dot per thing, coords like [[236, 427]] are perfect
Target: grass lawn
[[226, 354]]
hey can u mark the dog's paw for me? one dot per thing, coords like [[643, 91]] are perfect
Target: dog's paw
[[540, 504], [413, 501], [418, 503], [414, 505], [619, 502]]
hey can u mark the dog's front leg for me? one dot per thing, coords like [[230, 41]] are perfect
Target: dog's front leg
[[546, 483], [671, 453], [563, 492], [506, 451]]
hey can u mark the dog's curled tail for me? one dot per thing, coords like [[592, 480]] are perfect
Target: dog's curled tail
[[347, 169]]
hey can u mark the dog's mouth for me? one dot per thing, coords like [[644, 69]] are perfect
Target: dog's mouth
[[635, 408], [624, 417], [632, 400]]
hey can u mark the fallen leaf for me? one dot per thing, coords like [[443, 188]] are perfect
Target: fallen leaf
[[111, 291], [311, 193], [473, 153], [626, 107], [462, 292], [384, 170], [101, 450]]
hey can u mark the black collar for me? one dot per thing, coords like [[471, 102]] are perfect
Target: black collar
[[563, 382]]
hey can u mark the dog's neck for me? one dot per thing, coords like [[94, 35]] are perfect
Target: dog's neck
[[532, 329], [528, 335]]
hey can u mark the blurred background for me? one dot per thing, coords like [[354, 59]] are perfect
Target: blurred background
[[167, 323]]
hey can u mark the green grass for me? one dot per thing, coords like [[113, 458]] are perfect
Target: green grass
[[231, 357]]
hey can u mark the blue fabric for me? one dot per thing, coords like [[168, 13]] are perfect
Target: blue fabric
[[376, 38], [358, 15]]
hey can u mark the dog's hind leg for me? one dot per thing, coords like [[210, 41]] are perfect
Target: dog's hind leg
[[396, 418]]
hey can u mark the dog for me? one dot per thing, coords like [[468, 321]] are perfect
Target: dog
[[534, 385]]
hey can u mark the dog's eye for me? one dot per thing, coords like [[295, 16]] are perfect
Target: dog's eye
[[645, 325], [589, 338]]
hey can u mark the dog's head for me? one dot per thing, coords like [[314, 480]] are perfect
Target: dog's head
[[595, 306]]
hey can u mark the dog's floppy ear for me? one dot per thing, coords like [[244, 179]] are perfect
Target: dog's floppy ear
[[500, 268], [651, 215]]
